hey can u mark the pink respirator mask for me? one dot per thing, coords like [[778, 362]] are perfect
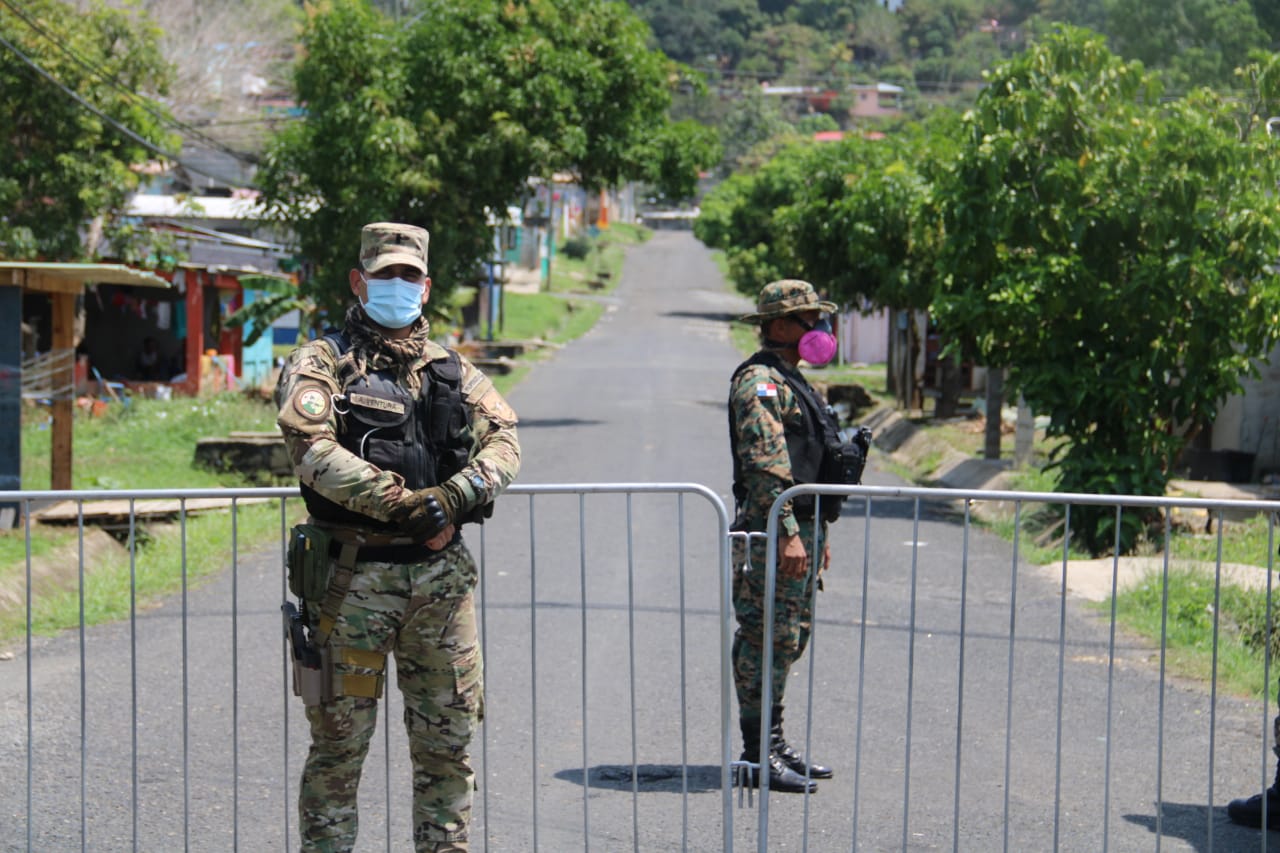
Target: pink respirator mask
[[817, 345]]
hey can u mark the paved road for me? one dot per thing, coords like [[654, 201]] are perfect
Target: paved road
[[626, 590]]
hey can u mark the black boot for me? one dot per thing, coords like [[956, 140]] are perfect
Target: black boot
[[790, 755], [1248, 811], [781, 777]]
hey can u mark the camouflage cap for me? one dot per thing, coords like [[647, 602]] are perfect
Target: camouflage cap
[[789, 296], [385, 243]]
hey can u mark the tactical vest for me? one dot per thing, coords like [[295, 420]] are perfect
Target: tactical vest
[[810, 443], [426, 439]]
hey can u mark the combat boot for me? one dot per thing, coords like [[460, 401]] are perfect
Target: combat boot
[[1248, 811], [789, 754], [781, 777]]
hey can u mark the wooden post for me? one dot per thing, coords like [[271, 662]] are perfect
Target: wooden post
[[10, 398], [995, 406], [1024, 435], [195, 329], [64, 316]]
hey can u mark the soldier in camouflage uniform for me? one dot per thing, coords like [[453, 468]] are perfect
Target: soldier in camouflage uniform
[[396, 442], [773, 435]]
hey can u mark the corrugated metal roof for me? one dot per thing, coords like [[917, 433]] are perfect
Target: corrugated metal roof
[[196, 207], [85, 273]]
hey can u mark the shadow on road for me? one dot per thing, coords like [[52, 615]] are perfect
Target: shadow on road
[[716, 316], [903, 509], [1190, 822], [650, 778], [534, 423]]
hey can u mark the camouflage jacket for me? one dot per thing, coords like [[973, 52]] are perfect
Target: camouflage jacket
[[762, 405], [309, 423]]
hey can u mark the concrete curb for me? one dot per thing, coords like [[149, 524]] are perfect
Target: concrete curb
[[912, 447], [1092, 580]]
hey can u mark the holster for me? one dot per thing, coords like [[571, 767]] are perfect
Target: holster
[[314, 678], [314, 683]]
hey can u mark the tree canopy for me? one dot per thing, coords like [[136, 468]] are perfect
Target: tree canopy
[[1115, 252], [446, 118], [75, 117]]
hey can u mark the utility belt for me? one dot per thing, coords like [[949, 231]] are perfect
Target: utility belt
[[321, 563], [383, 547]]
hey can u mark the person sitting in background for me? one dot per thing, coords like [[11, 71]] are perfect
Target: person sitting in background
[[149, 360]]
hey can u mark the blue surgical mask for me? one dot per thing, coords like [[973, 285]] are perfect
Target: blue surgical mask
[[393, 302]]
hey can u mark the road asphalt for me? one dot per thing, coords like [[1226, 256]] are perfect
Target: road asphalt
[[964, 701]]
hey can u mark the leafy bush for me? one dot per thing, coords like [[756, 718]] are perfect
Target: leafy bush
[[577, 247]]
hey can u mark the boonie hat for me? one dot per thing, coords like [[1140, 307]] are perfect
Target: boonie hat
[[789, 296], [383, 244]]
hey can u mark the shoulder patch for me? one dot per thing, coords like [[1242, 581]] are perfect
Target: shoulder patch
[[312, 402]]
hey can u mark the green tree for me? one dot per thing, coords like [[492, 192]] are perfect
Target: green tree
[[753, 119], [877, 36], [708, 33], [742, 216], [932, 27], [447, 118], [1268, 14], [1116, 254], [792, 54], [861, 224], [1192, 42], [74, 119]]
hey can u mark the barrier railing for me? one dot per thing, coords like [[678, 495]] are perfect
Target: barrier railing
[[174, 726], [964, 695], [1044, 709]]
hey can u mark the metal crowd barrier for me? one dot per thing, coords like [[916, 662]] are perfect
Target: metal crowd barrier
[[1107, 730], [964, 698], [604, 630]]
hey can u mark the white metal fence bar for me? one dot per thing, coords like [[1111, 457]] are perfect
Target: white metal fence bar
[[1121, 504], [629, 490], [600, 826], [189, 772]]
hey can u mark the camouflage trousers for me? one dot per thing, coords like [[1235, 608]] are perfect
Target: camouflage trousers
[[424, 614], [793, 619]]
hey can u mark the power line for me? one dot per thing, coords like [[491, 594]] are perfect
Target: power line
[[164, 118], [131, 134]]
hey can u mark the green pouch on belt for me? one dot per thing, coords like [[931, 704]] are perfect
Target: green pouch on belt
[[308, 561]]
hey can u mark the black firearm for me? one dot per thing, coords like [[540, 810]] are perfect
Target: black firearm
[[853, 455], [304, 651]]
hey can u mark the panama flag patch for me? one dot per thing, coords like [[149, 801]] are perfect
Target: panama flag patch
[[766, 389]]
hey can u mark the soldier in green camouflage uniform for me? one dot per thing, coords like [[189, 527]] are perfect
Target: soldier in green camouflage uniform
[[768, 425], [411, 589]]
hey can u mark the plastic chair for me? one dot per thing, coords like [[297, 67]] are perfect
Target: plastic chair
[[110, 388]]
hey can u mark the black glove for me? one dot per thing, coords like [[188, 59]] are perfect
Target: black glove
[[422, 515], [427, 512]]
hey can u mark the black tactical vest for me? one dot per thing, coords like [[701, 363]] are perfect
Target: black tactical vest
[[426, 439], [808, 443]]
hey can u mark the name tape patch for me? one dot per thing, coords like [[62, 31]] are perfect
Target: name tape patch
[[376, 403]]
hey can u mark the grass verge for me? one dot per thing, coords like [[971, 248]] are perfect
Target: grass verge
[[115, 584], [150, 444], [144, 444], [1185, 609], [591, 263]]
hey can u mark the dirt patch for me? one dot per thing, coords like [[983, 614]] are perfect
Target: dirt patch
[[1092, 579]]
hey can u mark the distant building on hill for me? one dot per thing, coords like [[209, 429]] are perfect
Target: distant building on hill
[[868, 100]]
